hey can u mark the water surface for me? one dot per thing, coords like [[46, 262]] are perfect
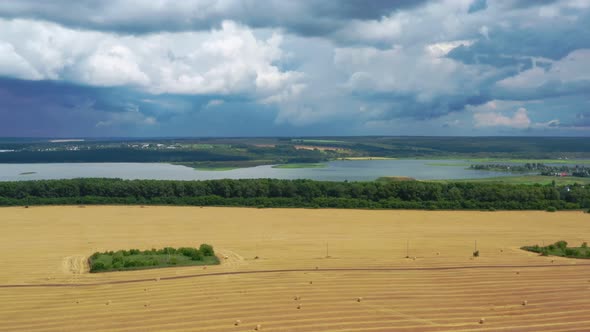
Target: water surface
[[351, 170]]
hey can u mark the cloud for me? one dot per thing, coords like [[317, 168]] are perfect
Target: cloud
[[304, 17], [362, 67], [573, 67], [230, 60], [520, 119]]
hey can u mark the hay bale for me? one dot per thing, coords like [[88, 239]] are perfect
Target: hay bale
[[482, 320], [517, 272], [108, 302], [525, 302], [311, 282], [299, 306], [438, 253], [359, 299], [147, 304], [297, 298], [237, 322], [258, 327], [256, 257], [225, 257]]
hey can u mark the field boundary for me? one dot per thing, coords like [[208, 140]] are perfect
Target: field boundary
[[393, 269]]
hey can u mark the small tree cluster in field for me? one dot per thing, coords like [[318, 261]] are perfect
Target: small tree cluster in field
[[560, 248], [135, 258]]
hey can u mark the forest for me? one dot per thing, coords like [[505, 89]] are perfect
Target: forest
[[265, 193]]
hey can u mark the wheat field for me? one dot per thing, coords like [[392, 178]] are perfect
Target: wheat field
[[366, 283]]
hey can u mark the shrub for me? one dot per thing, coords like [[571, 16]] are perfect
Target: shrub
[[97, 267], [584, 245], [561, 245], [551, 209], [206, 250], [572, 252]]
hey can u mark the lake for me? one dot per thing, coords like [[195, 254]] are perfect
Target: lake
[[351, 170]]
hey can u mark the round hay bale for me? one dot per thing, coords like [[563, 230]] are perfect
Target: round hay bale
[[438, 253], [311, 282], [517, 272], [525, 302], [147, 304], [256, 257], [258, 327], [204, 268], [108, 302], [297, 298], [77, 301], [299, 306], [145, 289], [482, 320], [237, 322], [414, 258], [359, 299], [225, 257]]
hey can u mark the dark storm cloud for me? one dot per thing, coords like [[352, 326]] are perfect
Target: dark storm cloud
[[305, 17]]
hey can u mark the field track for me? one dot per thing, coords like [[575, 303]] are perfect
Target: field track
[[367, 283], [333, 270]]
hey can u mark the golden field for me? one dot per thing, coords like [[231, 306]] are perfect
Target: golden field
[[440, 288]]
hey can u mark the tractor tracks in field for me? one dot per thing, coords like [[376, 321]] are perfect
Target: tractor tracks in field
[[343, 270]]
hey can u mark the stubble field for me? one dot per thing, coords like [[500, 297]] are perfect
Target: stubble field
[[367, 283]]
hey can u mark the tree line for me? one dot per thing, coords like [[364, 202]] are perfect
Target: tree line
[[296, 193]]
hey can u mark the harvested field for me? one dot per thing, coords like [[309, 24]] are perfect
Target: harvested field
[[367, 284]]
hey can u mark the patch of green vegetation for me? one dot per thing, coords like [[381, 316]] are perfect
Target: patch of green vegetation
[[395, 179], [449, 164], [224, 165], [27, 173], [216, 169], [525, 179], [304, 165], [317, 141], [135, 259], [561, 249], [537, 161]]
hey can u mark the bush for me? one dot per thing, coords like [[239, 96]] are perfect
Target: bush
[[572, 252], [206, 250], [561, 245], [584, 245], [551, 209], [97, 267]]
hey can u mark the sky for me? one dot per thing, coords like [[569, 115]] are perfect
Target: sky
[[103, 68]]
